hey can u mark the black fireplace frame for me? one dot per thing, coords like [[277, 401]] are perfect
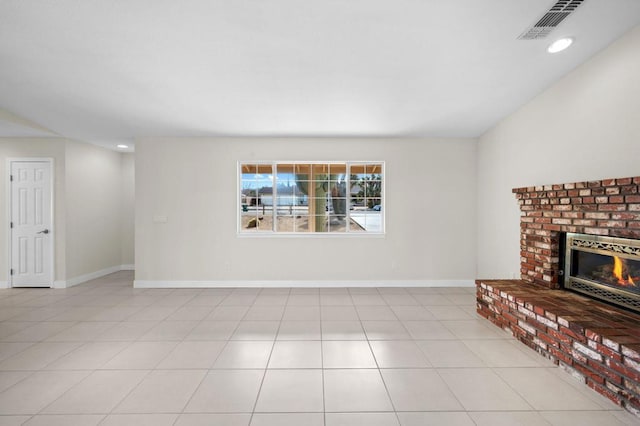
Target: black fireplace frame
[[609, 246]]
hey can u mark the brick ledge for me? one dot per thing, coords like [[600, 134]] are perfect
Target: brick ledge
[[596, 342]]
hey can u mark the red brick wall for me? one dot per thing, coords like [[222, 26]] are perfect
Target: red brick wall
[[602, 207]]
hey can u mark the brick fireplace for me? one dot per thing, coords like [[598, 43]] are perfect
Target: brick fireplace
[[597, 343], [603, 207]]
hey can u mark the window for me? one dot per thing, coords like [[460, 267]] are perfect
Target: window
[[307, 198]]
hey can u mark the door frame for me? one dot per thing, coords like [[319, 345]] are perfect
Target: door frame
[[9, 199]]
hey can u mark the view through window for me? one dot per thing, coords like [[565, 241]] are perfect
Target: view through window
[[340, 197]]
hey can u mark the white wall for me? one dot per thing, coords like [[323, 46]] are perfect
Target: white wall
[[128, 198], [585, 127], [34, 147], [430, 213], [93, 209]]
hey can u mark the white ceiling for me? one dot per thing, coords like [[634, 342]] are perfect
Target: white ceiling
[[107, 71]]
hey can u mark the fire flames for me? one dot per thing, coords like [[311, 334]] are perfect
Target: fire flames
[[620, 270]]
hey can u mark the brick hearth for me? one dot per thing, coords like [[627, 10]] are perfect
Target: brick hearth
[[595, 342]]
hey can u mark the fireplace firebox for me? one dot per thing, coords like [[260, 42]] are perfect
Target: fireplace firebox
[[606, 268]]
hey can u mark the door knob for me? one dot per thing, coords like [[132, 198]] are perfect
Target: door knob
[[46, 231]]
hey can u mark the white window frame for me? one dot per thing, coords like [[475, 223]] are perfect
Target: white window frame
[[277, 234]]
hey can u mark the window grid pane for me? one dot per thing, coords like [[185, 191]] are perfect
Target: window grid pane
[[327, 198]]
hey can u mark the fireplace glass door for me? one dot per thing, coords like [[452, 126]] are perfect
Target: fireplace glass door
[[604, 267]]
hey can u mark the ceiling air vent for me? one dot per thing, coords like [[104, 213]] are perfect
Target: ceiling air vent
[[551, 19]]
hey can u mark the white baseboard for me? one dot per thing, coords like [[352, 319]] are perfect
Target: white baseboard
[[82, 278], [301, 284], [91, 276]]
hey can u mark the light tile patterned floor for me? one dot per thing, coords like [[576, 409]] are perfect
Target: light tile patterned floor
[[104, 353]]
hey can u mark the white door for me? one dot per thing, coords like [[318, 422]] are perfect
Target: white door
[[31, 232]]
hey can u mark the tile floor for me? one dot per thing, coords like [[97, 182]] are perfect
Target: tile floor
[[103, 353]]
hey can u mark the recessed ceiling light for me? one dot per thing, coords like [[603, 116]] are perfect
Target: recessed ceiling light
[[122, 146], [560, 45]]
